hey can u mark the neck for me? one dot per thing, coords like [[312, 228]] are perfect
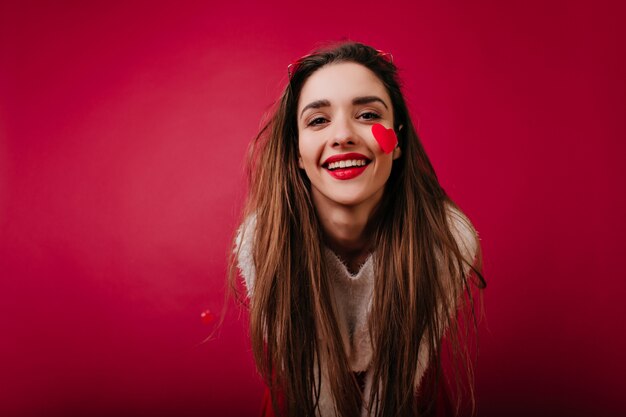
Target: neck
[[347, 229]]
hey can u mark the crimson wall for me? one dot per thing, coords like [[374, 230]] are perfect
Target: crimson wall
[[123, 129]]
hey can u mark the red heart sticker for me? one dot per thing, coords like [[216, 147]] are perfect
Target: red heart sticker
[[386, 138]]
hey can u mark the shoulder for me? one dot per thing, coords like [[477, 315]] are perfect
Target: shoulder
[[453, 273], [244, 251], [464, 233]]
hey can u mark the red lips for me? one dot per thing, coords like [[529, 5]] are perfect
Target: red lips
[[344, 157], [346, 173]]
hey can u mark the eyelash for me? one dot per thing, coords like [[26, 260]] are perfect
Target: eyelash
[[374, 114]]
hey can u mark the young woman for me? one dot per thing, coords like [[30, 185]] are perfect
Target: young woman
[[355, 260]]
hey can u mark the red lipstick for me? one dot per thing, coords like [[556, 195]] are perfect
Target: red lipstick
[[347, 173], [342, 172], [344, 157]]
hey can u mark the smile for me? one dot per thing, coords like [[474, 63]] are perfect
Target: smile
[[346, 166]]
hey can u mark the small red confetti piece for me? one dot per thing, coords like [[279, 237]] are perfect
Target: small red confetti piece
[[207, 317]]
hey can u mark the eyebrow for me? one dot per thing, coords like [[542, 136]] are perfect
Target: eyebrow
[[318, 104]]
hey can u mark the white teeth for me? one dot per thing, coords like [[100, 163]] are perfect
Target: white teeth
[[347, 163]]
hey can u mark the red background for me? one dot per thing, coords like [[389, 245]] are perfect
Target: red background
[[123, 131]]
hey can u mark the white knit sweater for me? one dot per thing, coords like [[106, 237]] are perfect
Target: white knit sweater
[[353, 299]]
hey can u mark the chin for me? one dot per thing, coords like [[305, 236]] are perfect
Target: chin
[[349, 200]]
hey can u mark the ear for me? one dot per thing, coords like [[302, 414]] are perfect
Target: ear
[[397, 152], [300, 164]]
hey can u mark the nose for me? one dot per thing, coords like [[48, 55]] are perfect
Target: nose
[[344, 133]]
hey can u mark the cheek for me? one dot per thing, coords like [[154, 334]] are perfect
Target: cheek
[[309, 151], [385, 168], [304, 157]]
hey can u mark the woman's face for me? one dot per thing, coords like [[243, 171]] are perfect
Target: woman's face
[[338, 105]]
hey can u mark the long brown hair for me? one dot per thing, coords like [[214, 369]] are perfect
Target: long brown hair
[[422, 274]]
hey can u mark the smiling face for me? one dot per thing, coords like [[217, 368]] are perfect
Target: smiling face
[[338, 106]]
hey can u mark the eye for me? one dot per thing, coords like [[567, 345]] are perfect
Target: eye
[[370, 115], [317, 121]]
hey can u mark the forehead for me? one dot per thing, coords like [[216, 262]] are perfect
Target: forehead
[[340, 83]]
